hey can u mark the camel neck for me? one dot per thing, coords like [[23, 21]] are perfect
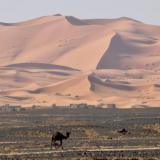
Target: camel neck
[[67, 136]]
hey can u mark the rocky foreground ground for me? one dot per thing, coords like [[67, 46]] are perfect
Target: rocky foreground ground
[[26, 134]]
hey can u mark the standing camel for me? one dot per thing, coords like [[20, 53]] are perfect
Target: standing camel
[[59, 137]]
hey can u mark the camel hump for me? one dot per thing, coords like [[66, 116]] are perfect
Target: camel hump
[[58, 133]]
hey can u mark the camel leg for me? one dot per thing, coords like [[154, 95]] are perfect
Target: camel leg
[[53, 143], [61, 144]]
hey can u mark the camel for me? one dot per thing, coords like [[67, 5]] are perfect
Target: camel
[[59, 137], [123, 131]]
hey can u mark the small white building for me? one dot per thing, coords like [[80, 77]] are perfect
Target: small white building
[[8, 108], [81, 105]]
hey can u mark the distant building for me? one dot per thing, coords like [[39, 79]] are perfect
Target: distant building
[[111, 106], [8, 108], [81, 105], [91, 106], [73, 105]]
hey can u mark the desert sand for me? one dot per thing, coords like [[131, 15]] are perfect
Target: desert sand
[[63, 60]]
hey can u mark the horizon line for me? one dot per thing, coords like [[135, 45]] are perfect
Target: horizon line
[[58, 14]]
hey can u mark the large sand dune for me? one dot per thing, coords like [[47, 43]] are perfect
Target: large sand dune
[[62, 59]]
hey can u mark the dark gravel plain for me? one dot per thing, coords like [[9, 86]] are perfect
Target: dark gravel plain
[[27, 134]]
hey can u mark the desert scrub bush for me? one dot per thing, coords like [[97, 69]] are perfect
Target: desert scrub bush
[[154, 127], [90, 133], [32, 134]]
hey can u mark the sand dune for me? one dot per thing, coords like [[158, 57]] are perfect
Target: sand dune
[[63, 59], [130, 51]]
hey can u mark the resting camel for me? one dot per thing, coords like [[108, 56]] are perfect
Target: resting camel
[[123, 131], [59, 137]]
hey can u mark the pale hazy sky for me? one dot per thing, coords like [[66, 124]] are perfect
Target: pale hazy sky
[[20, 10]]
